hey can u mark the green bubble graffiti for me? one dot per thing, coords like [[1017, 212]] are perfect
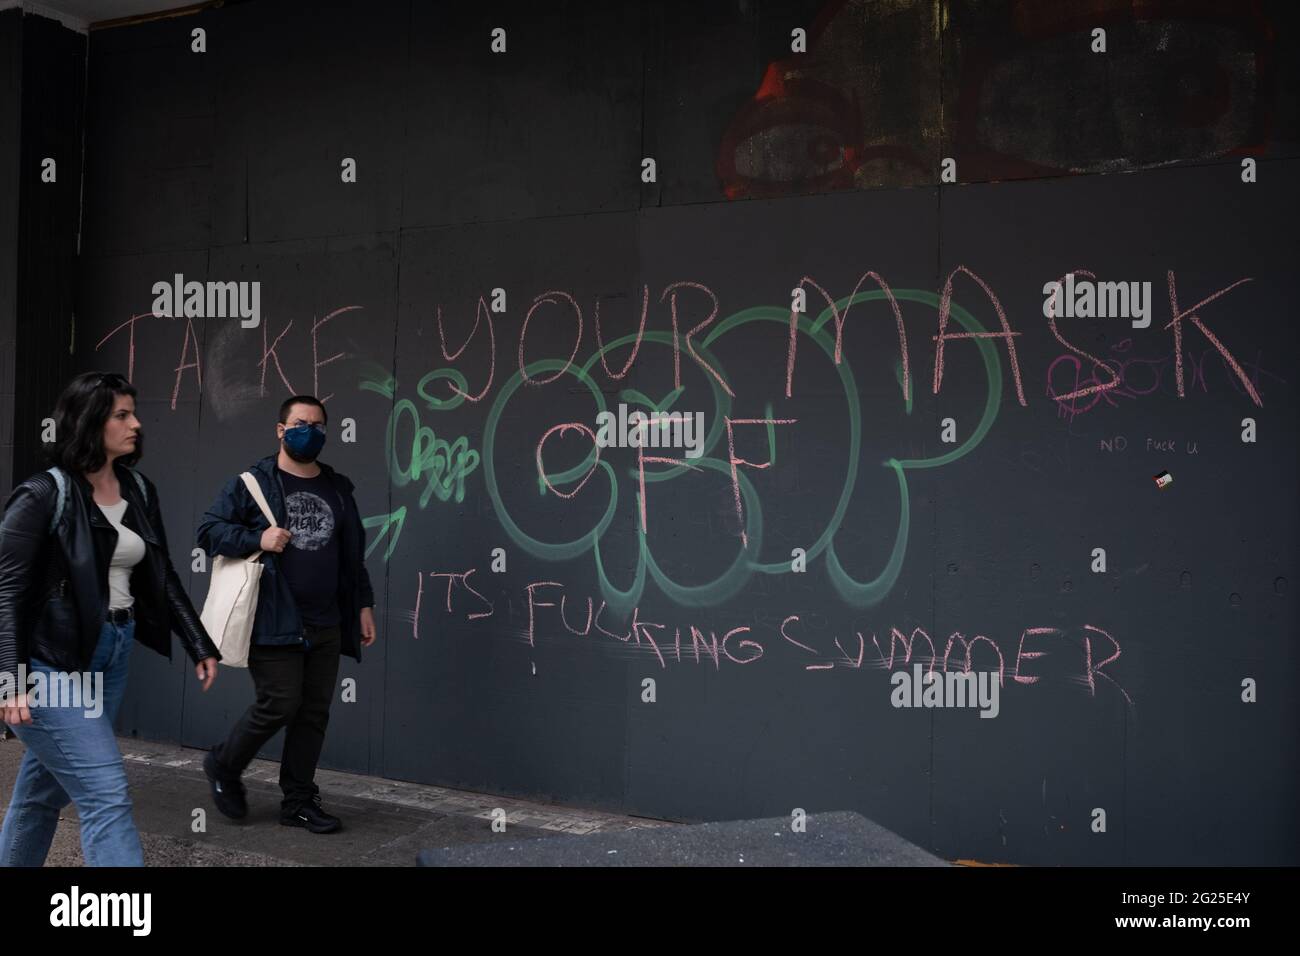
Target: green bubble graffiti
[[444, 465], [448, 465]]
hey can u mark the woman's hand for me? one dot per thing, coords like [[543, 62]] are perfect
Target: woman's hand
[[367, 627], [16, 712], [206, 671]]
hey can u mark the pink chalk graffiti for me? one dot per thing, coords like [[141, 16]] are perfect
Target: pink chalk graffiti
[[562, 428], [839, 328], [640, 633], [480, 312], [1176, 323], [636, 345], [671, 291], [734, 461], [545, 297], [945, 309], [1051, 323]]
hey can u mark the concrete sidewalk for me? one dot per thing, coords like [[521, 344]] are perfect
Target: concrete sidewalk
[[385, 822]]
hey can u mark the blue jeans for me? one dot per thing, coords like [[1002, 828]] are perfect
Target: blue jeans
[[72, 755]]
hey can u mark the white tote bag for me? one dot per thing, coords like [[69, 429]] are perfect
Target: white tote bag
[[231, 605]]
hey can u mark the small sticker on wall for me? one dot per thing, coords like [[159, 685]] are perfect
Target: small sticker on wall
[[1164, 480]]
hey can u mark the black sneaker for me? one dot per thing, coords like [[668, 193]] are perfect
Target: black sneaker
[[312, 817], [227, 793]]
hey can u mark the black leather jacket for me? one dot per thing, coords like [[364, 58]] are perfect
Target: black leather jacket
[[54, 587]]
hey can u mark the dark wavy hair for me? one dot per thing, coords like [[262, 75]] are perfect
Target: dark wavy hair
[[79, 418]]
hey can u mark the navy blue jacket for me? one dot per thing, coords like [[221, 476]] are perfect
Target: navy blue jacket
[[233, 526]]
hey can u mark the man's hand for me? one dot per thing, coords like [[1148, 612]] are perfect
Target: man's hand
[[367, 626], [206, 671], [274, 539], [15, 711]]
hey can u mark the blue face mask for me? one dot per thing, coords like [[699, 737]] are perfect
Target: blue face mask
[[305, 441]]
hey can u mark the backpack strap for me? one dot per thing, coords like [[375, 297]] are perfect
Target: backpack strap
[[61, 480], [139, 483]]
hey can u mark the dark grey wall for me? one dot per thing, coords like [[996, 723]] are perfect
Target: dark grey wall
[[46, 76], [522, 172], [11, 63]]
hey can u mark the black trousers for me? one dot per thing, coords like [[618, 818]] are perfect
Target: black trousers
[[295, 685]]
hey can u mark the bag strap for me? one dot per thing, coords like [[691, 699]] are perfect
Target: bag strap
[[255, 490], [62, 481], [144, 493]]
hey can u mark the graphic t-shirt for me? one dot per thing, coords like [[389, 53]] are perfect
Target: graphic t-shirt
[[310, 561]]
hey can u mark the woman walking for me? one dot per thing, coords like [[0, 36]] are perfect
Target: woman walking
[[84, 572]]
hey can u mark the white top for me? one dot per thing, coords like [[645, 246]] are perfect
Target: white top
[[128, 553]]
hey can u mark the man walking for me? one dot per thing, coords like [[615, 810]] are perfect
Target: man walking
[[314, 602]]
